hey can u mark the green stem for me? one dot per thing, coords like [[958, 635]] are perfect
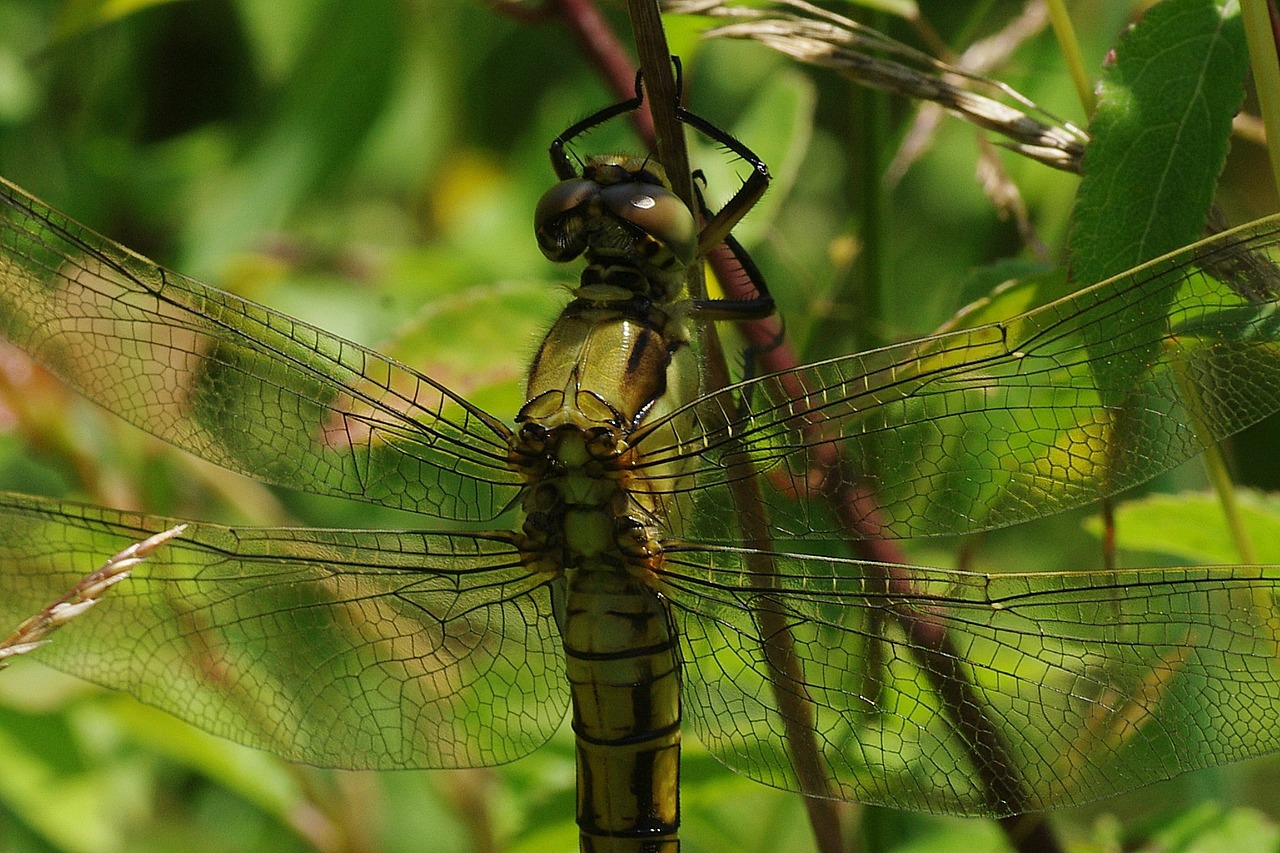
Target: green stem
[[1070, 47], [1219, 476], [1266, 74], [1226, 489]]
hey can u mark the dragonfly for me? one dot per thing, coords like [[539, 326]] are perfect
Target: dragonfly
[[647, 555]]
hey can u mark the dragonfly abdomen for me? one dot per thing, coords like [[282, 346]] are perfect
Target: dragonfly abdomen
[[605, 368], [625, 684]]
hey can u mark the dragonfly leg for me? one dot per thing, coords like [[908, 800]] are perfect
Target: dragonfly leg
[[757, 351], [560, 161], [717, 229], [750, 303], [744, 276]]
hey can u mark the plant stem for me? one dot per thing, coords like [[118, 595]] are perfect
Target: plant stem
[[1226, 489], [1070, 47], [1260, 34]]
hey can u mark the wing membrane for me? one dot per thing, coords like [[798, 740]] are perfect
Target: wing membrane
[[243, 386], [1096, 682], [342, 648], [1009, 421]]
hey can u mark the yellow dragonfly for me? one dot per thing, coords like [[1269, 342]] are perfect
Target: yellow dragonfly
[[649, 555]]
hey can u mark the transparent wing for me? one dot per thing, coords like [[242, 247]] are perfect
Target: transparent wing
[[245, 387], [1004, 422], [974, 694], [341, 648]]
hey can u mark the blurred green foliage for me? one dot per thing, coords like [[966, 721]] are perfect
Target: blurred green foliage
[[372, 168]]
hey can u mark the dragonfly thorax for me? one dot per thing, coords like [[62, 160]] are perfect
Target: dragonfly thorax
[[603, 371], [638, 238], [609, 364]]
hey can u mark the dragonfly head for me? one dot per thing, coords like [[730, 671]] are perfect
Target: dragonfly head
[[620, 214]]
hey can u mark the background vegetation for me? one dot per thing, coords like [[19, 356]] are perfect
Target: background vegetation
[[372, 168]]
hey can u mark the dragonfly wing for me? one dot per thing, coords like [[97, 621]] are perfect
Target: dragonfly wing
[[1089, 683], [236, 383], [342, 648], [1004, 422]]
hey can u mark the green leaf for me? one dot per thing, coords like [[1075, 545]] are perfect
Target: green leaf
[[1191, 527], [1210, 828], [75, 802], [258, 776], [1160, 136], [324, 114], [79, 16]]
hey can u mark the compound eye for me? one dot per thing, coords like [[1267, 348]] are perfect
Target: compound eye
[[557, 220], [657, 212]]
